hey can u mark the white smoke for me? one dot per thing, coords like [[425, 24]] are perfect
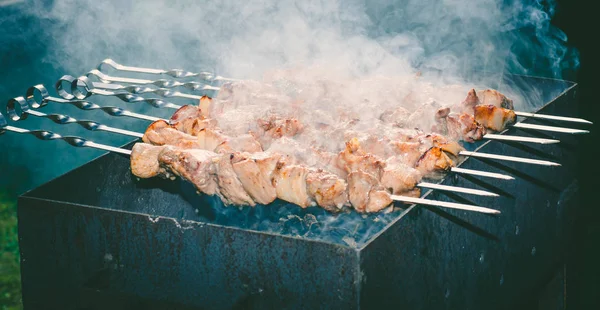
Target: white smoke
[[246, 38]]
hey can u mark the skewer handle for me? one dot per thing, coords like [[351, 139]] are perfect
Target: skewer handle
[[80, 104], [82, 88], [18, 109], [48, 135], [175, 73]]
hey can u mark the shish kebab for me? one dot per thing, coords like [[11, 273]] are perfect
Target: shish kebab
[[365, 204], [170, 153], [107, 89], [208, 77], [494, 118], [110, 110], [18, 109]]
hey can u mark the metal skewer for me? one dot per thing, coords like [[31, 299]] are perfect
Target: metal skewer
[[45, 98], [81, 142], [87, 82], [90, 87], [509, 158], [125, 96], [550, 128], [444, 204], [18, 109], [491, 136], [176, 73], [554, 117], [209, 77]]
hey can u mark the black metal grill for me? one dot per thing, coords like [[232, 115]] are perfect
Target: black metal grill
[[97, 238]]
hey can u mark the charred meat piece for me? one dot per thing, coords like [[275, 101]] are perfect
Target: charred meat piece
[[400, 179], [494, 118], [210, 139], [242, 143], [205, 105], [495, 98], [434, 160], [431, 140], [196, 166], [255, 176], [275, 126], [290, 184], [231, 188], [366, 194], [327, 189], [161, 133], [469, 103], [464, 127], [144, 160], [186, 112], [353, 158]]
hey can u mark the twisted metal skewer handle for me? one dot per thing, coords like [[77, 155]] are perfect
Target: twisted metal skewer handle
[[175, 73], [48, 135], [161, 83], [18, 109], [42, 93], [129, 95], [82, 88]]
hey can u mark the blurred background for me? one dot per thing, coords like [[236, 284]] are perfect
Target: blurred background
[[42, 40]]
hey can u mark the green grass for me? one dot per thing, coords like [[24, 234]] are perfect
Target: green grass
[[10, 276]]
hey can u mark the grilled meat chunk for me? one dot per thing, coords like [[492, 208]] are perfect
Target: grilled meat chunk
[[256, 181], [464, 127], [231, 188], [494, 118], [144, 160], [353, 158], [161, 133], [327, 189], [434, 160], [495, 98], [290, 184], [366, 194], [400, 179], [196, 166]]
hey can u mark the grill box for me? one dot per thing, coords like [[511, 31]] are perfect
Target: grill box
[[96, 238]]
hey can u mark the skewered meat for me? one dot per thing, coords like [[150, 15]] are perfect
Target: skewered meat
[[489, 108], [366, 193], [327, 189], [161, 133], [194, 165], [495, 98], [230, 186], [144, 160], [464, 127], [290, 184], [242, 178], [255, 176], [494, 118]]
